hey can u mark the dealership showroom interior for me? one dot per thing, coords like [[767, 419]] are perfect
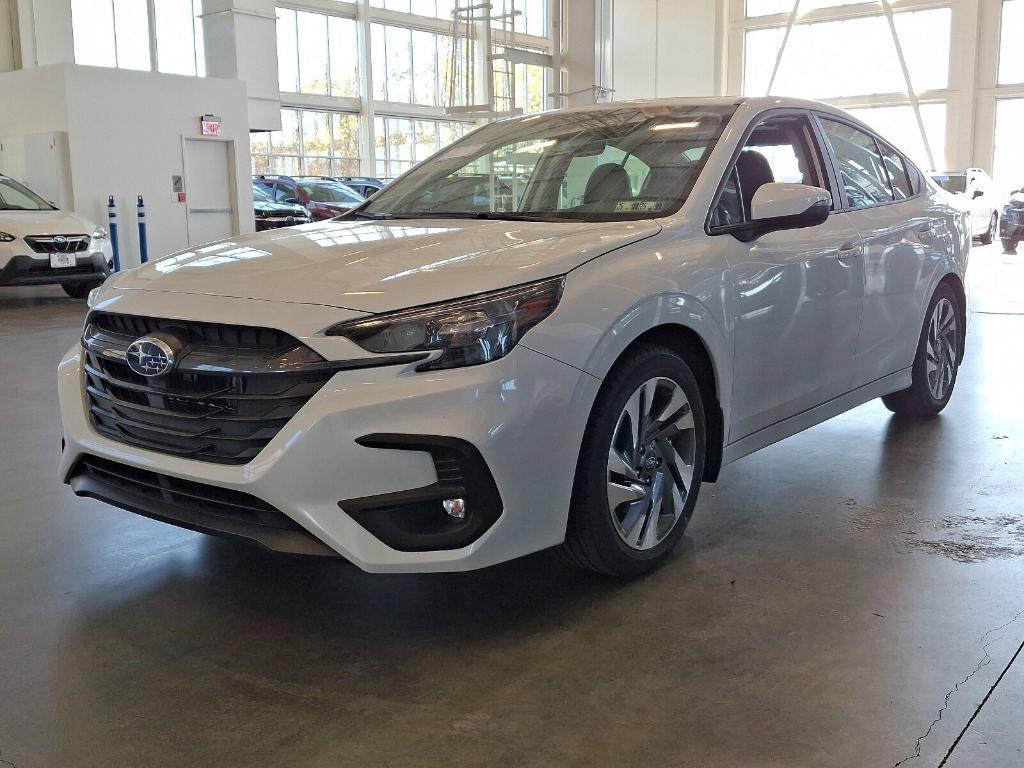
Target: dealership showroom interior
[[484, 383]]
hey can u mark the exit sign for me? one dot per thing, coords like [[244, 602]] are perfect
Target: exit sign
[[210, 125]]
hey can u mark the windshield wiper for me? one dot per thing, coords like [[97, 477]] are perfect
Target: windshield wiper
[[368, 215]]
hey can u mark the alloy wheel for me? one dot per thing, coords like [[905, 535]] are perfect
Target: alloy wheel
[[651, 463], [941, 349]]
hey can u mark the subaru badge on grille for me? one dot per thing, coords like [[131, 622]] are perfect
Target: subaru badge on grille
[[153, 355]]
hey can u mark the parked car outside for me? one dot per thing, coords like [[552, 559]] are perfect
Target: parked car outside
[[41, 245], [322, 196], [364, 185], [438, 382], [974, 189], [272, 215], [1011, 223]]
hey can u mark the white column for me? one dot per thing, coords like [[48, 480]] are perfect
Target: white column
[[587, 59], [44, 32], [241, 44]]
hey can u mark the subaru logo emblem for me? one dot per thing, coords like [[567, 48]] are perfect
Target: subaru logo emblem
[[152, 356], [60, 242]]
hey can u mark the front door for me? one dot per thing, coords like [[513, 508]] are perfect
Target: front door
[[794, 296]]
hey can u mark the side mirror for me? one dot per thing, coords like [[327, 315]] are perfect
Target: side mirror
[[977, 193], [291, 200], [780, 206]]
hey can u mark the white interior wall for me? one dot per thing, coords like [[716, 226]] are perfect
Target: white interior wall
[[134, 149], [7, 36], [665, 48]]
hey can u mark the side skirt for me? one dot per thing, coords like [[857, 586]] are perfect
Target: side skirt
[[780, 430]]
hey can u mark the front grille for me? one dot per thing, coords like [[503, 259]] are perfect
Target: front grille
[[58, 243], [160, 489], [231, 392]]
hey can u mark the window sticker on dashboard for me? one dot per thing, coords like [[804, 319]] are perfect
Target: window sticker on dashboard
[[637, 206]]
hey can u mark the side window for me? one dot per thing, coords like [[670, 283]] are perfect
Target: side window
[[859, 163], [896, 168], [729, 209], [283, 192], [780, 149], [917, 183]]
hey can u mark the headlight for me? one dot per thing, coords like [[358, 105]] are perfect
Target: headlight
[[99, 234], [468, 331], [6, 238]]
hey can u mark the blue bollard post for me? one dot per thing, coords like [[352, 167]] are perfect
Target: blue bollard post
[[143, 245], [112, 223]]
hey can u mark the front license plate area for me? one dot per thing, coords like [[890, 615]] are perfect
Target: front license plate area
[[62, 260]]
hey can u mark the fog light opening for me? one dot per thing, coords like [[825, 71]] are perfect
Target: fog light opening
[[456, 508]]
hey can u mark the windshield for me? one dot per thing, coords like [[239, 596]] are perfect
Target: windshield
[[17, 197], [259, 193], [330, 192], [606, 165], [952, 182]]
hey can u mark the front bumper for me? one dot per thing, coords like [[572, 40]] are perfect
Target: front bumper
[[264, 223], [24, 267], [524, 415]]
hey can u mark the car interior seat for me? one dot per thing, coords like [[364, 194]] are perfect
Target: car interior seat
[[608, 181]]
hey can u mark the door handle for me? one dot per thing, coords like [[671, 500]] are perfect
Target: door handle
[[848, 250]]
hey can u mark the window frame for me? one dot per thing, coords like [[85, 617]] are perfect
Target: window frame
[[853, 123], [826, 167]]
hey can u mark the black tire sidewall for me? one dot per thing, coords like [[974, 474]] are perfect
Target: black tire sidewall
[[591, 515], [920, 374]]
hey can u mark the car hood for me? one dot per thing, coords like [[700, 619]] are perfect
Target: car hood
[[269, 207], [22, 223], [380, 266]]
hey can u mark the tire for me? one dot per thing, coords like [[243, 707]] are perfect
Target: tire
[[629, 539], [930, 390], [80, 289], [990, 233], [1009, 245]]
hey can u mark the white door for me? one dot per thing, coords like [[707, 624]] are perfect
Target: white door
[[795, 296], [209, 190]]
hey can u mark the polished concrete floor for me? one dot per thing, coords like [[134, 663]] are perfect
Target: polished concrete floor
[[853, 596]]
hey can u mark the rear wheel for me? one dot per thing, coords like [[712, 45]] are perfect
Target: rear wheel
[[937, 360], [80, 289], [640, 466], [1009, 244], [990, 233]]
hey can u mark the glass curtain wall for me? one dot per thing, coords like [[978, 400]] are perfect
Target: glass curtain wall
[[323, 68]]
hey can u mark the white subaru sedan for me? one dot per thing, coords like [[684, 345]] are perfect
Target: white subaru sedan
[[550, 334]]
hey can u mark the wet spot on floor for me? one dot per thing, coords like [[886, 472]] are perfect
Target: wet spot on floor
[[967, 538]]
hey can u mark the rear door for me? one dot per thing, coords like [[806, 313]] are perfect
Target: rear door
[[794, 296], [886, 200]]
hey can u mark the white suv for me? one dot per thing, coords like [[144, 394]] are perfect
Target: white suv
[[42, 245], [550, 333]]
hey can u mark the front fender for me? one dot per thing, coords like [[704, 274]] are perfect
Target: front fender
[[610, 302]]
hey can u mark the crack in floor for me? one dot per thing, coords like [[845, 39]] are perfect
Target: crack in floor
[[985, 643]]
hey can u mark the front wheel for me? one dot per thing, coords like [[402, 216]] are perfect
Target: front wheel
[[1009, 245], [640, 466], [990, 233], [937, 361]]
